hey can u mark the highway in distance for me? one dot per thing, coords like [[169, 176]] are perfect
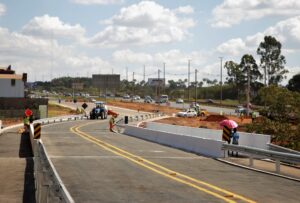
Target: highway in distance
[[99, 166]]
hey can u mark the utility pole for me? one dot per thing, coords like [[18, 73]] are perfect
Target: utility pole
[[127, 73], [196, 71], [164, 86], [112, 71], [158, 87], [221, 82], [144, 74], [133, 82], [189, 64]]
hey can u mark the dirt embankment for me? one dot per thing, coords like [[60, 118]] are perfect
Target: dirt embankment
[[212, 121]]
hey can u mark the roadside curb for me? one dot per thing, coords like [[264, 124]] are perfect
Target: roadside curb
[[258, 170]]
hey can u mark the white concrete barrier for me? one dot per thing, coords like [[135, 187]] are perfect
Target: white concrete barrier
[[208, 147], [260, 141]]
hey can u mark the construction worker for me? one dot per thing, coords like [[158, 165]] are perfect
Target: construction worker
[[112, 122], [26, 122], [253, 116]]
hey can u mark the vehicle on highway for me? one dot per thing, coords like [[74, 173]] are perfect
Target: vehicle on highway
[[194, 105], [179, 101], [163, 99], [240, 109], [136, 97], [187, 113], [100, 110], [148, 99], [126, 98]]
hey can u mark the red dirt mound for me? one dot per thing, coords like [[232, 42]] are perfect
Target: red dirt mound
[[215, 118]]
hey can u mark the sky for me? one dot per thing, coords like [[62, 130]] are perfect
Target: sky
[[77, 38]]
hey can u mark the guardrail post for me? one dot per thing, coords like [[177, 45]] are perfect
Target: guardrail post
[[251, 161], [277, 166]]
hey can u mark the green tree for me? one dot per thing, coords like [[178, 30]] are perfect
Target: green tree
[[294, 83], [248, 63], [272, 62], [235, 76], [282, 103]]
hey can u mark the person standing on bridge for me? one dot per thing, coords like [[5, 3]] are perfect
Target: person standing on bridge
[[112, 122], [235, 139]]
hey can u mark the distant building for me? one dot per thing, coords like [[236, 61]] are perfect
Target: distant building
[[11, 84]]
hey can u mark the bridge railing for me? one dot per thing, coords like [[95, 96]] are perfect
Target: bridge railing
[[278, 157], [49, 186]]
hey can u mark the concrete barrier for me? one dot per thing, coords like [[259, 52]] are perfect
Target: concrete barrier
[[260, 141], [208, 147]]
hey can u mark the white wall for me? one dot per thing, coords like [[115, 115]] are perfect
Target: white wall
[[212, 148], [7, 90], [247, 139]]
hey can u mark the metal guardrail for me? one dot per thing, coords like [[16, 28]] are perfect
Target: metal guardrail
[[282, 149], [49, 186], [261, 153], [120, 122]]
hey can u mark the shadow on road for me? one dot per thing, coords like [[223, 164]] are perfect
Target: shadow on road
[[25, 151]]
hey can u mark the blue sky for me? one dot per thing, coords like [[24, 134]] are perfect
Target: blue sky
[[52, 38]]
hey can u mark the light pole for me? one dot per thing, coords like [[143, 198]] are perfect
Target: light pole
[[196, 71], [189, 64]]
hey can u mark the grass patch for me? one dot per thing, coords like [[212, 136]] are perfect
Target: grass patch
[[56, 110]]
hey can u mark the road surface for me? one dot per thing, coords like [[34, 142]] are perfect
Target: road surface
[[99, 166]]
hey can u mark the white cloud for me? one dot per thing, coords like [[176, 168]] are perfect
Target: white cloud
[[286, 31], [185, 10], [2, 9], [100, 2], [232, 12], [127, 56], [172, 57], [41, 58], [52, 27], [232, 47], [144, 23]]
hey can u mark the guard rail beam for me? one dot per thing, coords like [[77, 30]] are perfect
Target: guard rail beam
[[261, 153]]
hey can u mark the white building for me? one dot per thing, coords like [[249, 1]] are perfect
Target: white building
[[11, 84]]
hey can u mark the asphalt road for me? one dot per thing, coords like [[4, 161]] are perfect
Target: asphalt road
[[99, 166]]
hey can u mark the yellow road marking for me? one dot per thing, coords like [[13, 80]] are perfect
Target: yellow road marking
[[168, 173]]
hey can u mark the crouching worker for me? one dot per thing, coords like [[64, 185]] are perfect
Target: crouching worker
[[235, 139], [112, 122]]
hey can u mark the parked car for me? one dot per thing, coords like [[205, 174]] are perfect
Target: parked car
[[187, 113], [179, 101], [100, 110]]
